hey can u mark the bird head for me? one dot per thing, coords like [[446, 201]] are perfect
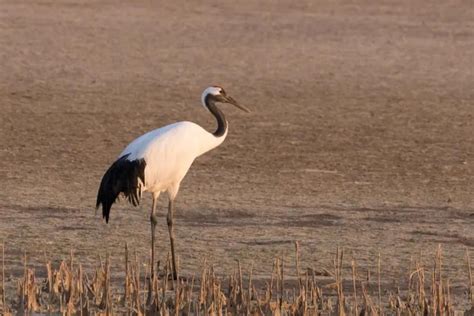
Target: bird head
[[218, 94]]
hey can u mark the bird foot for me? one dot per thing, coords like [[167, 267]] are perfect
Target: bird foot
[[182, 278], [171, 276]]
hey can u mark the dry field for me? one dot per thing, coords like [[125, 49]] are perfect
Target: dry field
[[361, 134]]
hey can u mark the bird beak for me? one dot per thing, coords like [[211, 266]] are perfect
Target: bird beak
[[233, 102]]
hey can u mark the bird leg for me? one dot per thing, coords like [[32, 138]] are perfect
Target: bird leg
[[153, 221], [151, 281], [169, 220]]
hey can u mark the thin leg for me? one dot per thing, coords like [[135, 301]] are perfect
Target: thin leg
[[151, 281], [153, 221], [169, 219]]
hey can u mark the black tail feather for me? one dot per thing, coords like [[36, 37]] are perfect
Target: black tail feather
[[124, 177]]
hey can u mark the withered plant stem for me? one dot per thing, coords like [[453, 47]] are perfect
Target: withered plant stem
[[250, 282], [71, 256], [353, 264], [297, 255], [282, 284], [4, 304], [25, 282], [127, 289], [378, 282], [469, 271], [241, 283]]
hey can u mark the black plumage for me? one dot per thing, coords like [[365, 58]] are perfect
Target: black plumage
[[123, 176]]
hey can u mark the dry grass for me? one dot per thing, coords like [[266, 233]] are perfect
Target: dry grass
[[70, 290]]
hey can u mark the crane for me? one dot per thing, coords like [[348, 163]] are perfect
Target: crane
[[158, 161]]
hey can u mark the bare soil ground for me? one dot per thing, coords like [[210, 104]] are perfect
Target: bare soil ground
[[361, 134]]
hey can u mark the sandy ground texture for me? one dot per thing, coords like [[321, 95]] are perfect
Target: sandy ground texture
[[361, 133]]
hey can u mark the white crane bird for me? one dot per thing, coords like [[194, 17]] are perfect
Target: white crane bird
[[158, 160]]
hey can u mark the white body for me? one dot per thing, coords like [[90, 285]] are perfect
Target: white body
[[169, 152]]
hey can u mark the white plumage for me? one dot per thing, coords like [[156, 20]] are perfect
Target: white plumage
[[158, 161], [169, 152]]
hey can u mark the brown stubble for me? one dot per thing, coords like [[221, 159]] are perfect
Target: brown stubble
[[351, 121], [2, 289], [68, 289], [469, 271]]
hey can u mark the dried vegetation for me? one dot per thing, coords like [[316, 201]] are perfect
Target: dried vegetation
[[69, 290]]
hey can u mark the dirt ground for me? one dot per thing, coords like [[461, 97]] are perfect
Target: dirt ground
[[361, 133]]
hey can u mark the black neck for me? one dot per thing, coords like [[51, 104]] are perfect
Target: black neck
[[221, 121]]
